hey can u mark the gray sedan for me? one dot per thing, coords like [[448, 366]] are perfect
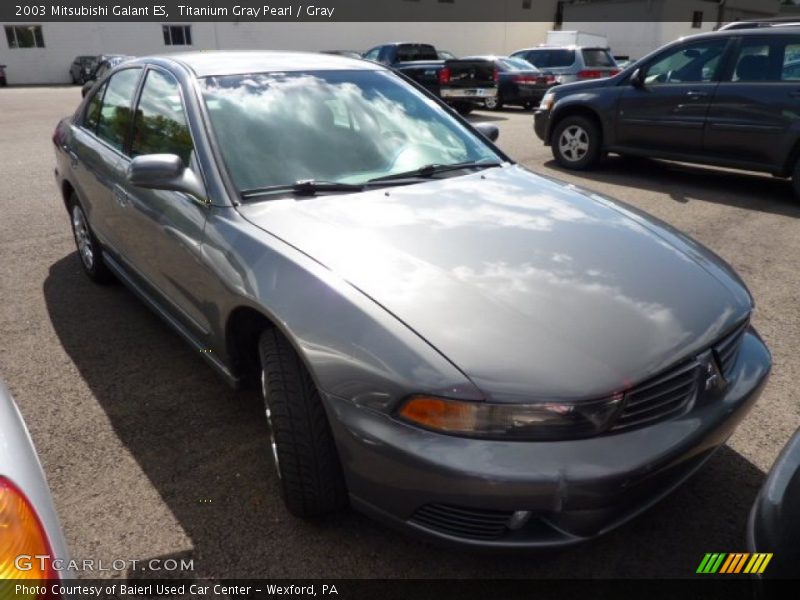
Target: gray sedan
[[442, 339]]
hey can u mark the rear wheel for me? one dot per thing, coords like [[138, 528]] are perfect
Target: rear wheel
[[576, 143], [301, 442], [89, 250], [495, 103], [796, 178]]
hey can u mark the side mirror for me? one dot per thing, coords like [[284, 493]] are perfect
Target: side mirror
[[637, 79], [488, 131], [165, 172]]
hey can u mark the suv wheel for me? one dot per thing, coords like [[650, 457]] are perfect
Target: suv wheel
[[300, 437], [576, 143], [796, 178], [89, 249]]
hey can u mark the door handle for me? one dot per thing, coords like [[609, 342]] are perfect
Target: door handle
[[696, 94], [121, 196]]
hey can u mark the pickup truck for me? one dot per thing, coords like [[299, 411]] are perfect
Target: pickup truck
[[462, 83]]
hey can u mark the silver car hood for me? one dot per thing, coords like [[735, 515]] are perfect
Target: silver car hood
[[535, 289]]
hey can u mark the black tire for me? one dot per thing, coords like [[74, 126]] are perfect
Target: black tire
[[796, 178], [303, 449], [576, 143], [90, 253], [494, 103], [464, 108]]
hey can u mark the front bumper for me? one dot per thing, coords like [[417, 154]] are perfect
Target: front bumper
[[465, 491], [541, 124]]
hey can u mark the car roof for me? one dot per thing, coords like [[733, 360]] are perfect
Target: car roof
[[205, 64]]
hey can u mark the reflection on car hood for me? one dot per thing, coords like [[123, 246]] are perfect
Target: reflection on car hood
[[533, 288]]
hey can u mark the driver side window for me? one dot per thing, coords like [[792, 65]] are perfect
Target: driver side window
[[696, 63]]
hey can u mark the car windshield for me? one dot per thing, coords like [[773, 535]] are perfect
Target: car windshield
[[597, 57], [517, 64], [275, 129], [550, 58]]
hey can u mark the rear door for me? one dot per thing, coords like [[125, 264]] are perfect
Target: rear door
[[668, 113], [96, 149], [756, 111]]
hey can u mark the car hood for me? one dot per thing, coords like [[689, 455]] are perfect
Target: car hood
[[534, 288]]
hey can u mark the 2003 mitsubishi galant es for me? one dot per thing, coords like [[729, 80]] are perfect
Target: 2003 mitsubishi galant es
[[444, 339]]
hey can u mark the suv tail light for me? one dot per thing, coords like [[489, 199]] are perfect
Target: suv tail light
[[613, 72], [496, 75], [444, 76], [590, 74], [22, 534], [527, 79]]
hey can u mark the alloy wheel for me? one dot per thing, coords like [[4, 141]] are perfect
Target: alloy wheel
[[574, 143], [83, 238]]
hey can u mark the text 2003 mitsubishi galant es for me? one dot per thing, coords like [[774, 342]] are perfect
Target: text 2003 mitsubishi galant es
[[443, 339]]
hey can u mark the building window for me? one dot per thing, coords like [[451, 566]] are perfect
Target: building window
[[446, 1], [177, 35], [697, 19], [24, 36]]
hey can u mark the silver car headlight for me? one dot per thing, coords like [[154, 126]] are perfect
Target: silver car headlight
[[547, 101], [534, 421]]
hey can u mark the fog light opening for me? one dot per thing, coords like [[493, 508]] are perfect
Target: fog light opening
[[518, 519]]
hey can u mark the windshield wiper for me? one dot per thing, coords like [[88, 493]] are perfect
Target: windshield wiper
[[304, 187], [432, 169]]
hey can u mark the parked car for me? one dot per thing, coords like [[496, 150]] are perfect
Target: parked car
[[3, 80], [462, 84], [104, 65], [518, 82], [774, 524], [82, 67], [425, 319], [723, 98], [28, 520], [571, 63]]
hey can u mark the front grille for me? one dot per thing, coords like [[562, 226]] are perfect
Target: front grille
[[463, 522], [659, 398], [727, 349]]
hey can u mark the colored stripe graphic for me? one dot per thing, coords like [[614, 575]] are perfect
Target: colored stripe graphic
[[733, 563]]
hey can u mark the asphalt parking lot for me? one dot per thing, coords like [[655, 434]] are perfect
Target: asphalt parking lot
[[148, 454]]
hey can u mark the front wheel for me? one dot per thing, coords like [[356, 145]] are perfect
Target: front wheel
[[576, 143], [301, 441]]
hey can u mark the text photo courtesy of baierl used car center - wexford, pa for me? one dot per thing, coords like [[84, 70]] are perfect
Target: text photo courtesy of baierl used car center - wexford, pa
[[403, 298]]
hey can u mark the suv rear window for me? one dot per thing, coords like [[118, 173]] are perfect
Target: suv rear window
[[550, 58], [406, 52], [597, 57]]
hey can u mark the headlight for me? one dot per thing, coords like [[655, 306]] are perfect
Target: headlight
[[539, 421], [547, 101]]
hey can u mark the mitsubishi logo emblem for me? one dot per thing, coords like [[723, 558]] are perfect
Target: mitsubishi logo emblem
[[711, 374]]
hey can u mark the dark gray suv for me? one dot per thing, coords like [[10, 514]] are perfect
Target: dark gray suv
[[729, 98]]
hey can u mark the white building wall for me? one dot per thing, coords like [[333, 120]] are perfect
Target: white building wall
[[64, 41]]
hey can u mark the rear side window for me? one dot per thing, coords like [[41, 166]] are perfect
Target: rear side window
[[115, 113], [160, 126], [407, 52], [551, 58], [92, 115], [768, 59], [597, 57]]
